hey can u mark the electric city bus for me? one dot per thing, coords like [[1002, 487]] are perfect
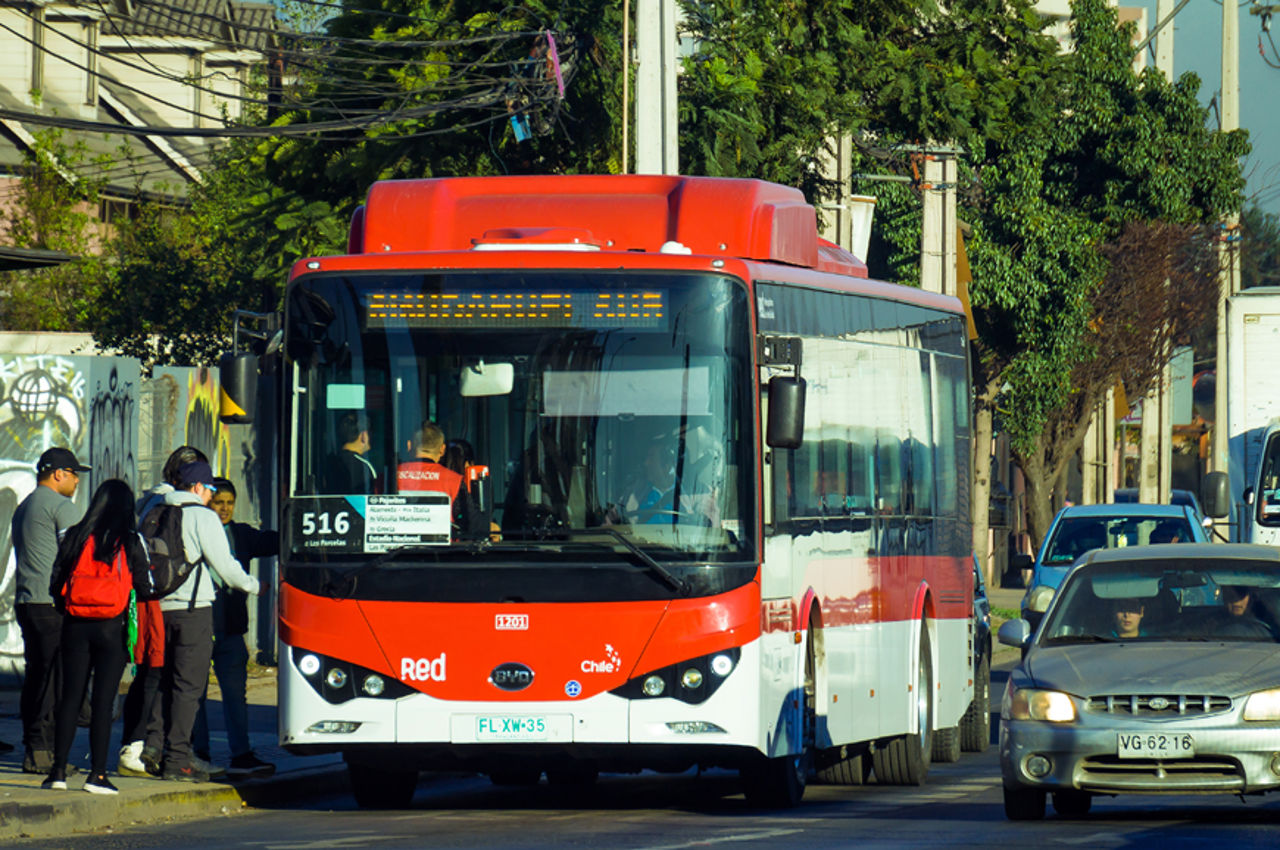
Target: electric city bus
[[722, 478]]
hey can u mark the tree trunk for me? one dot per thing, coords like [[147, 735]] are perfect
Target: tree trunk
[[980, 503]]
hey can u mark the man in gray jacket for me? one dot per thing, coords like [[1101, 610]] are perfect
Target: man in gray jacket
[[188, 617]]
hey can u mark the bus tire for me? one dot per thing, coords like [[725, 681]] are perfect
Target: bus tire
[[975, 726], [381, 788], [779, 783], [573, 775], [850, 770], [946, 745], [905, 759]]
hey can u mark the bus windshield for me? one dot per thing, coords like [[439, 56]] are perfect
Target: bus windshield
[[569, 401]]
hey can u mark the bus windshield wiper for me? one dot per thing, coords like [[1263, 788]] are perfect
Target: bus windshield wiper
[[649, 561], [344, 585]]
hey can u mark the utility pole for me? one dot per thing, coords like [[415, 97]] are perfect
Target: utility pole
[[1156, 458], [656, 129], [1228, 249]]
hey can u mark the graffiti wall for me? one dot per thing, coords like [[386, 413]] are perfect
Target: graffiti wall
[[86, 404]]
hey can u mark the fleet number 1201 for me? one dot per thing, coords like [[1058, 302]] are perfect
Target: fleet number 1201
[[313, 522]]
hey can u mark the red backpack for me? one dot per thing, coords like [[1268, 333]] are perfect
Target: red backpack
[[96, 590]]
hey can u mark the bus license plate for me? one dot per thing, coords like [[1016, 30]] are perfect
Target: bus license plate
[[523, 727], [1155, 745]]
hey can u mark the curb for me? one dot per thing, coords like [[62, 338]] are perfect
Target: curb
[[69, 812]]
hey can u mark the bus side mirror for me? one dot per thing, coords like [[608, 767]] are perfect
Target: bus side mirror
[[1215, 494], [238, 376], [785, 429]]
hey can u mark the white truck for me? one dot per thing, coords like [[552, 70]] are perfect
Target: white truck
[[1253, 414]]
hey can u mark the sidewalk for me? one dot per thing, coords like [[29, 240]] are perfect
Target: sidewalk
[[27, 810]]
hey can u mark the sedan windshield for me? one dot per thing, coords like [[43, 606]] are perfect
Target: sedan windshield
[[1076, 535], [1175, 599]]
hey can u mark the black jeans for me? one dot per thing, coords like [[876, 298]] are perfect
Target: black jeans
[[141, 714], [41, 626], [95, 646], [188, 649]]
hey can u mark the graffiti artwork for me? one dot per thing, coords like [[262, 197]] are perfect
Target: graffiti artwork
[[42, 404]]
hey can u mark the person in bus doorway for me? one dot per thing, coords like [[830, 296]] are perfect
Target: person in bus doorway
[[93, 645], [39, 524], [230, 653], [188, 620], [142, 718], [350, 471]]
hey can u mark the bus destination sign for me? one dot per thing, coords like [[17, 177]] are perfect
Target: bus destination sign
[[369, 524], [510, 309]]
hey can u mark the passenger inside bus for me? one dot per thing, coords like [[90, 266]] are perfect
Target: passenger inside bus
[[349, 472], [425, 471]]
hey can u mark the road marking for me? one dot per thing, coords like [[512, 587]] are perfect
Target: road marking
[[346, 841], [724, 839]]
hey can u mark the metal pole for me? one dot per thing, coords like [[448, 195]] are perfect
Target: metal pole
[[1229, 258], [626, 84]]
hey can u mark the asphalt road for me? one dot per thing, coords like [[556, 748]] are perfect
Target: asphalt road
[[961, 806]]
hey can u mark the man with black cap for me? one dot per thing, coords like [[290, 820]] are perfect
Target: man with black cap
[[38, 525], [188, 617]]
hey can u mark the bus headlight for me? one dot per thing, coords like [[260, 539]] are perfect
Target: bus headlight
[[722, 665], [309, 664], [654, 686], [373, 685], [336, 677], [691, 678]]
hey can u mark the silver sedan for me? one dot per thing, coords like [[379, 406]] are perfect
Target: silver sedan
[[1155, 670]]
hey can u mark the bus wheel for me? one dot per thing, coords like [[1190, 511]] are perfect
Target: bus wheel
[[905, 760], [515, 777], [849, 770], [946, 745], [975, 727], [381, 788], [779, 783]]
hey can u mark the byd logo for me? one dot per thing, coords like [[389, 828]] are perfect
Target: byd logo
[[422, 669], [511, 676]]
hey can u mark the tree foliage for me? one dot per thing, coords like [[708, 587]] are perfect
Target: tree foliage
[[1260, 252]]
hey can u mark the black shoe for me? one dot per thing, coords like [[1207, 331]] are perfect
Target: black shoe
[[6, 747], [55, 781], [98, 784], [186, 773], [250, 765], [150, 759]]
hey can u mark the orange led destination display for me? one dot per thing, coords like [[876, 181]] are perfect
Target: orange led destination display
[[508, 309]]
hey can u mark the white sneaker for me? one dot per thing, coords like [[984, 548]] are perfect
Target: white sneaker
[[213, 770], [131, 760]]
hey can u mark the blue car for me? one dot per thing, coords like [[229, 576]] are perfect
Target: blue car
[[1083, 528]]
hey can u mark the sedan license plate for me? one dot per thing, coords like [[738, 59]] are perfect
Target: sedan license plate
[[522, 727], [1155, 745]]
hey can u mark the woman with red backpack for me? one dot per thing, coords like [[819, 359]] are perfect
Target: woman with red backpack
[[98, 562]]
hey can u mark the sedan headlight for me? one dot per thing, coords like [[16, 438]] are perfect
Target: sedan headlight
[[1034, 704], [1263, 705]]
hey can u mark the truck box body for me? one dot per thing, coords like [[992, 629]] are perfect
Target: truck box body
[[1253, 406]]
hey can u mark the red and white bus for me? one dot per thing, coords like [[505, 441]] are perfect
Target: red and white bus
[[728, 482]]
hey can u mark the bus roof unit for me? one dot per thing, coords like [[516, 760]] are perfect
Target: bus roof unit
[[749, 219]]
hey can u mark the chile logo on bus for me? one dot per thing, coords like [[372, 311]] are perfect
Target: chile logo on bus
[[511, 676]]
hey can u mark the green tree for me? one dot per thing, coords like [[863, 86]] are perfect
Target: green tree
[[1260, 249], [55, 207]]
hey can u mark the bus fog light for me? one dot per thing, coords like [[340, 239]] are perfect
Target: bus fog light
[[373, 685], [1037, 767], [722, 665], [653, 686], [336, 678], [334, 727], [691, 678], [309, 665], [694, 727]]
